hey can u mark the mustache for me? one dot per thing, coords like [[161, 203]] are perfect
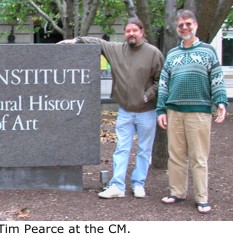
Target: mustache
[[131, 37], [191, 34]]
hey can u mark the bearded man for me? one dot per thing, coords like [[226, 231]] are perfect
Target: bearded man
[[135, 67]]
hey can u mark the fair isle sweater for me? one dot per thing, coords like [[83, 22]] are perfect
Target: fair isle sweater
[[191, 80], [135, 72]]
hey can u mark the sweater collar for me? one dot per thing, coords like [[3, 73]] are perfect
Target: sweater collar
[[195, 43]]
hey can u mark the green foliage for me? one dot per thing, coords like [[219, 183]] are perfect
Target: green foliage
[[108, 11], [13, 11], [157, 13], [18, 12], [229, 20], [180, 4]]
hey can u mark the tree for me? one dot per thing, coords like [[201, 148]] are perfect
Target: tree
[[68, 17], [107, 13], [76, 16]]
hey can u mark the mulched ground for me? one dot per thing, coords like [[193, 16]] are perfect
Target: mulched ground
[[51, 205]]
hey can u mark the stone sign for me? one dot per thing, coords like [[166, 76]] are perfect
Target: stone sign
[[49, 107]]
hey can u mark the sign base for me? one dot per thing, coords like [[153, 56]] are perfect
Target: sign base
[[58, 178]]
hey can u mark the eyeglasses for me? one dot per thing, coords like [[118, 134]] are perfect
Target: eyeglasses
[[187, 24]]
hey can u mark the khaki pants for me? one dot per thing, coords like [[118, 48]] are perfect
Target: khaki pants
[[188, 142]]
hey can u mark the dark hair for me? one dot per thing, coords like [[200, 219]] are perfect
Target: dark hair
[[134, 20], [185, 14]]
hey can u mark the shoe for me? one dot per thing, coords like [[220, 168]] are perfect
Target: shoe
[[139, 192], [173, 199], [112, 192], [203, 208]]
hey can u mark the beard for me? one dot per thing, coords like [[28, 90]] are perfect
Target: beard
[[132, 41], [188, 37]]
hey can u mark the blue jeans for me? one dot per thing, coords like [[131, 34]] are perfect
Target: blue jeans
[[127, 125]]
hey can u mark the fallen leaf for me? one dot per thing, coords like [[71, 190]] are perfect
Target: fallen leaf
[[23, 216]]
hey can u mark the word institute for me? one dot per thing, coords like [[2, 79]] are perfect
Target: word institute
[[44, 76]]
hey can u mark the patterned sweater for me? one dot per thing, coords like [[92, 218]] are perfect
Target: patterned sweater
[[191, 80]]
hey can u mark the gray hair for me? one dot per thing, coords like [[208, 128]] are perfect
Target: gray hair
[[185, 14]]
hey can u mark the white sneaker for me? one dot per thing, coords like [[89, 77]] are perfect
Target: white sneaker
[[139, 192], [112, 192]]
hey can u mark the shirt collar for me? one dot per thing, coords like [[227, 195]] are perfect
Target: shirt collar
[[194, 43]]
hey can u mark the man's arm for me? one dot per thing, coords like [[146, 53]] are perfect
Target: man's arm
[[152, 91], [67, 41], [79, 39], [163, 91]]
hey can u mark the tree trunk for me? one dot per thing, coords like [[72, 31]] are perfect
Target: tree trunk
[[69, 32], [160, 152], [76, 17], [210, 12], [90, 8], [130, 8], [144, 16], [171, 38]]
